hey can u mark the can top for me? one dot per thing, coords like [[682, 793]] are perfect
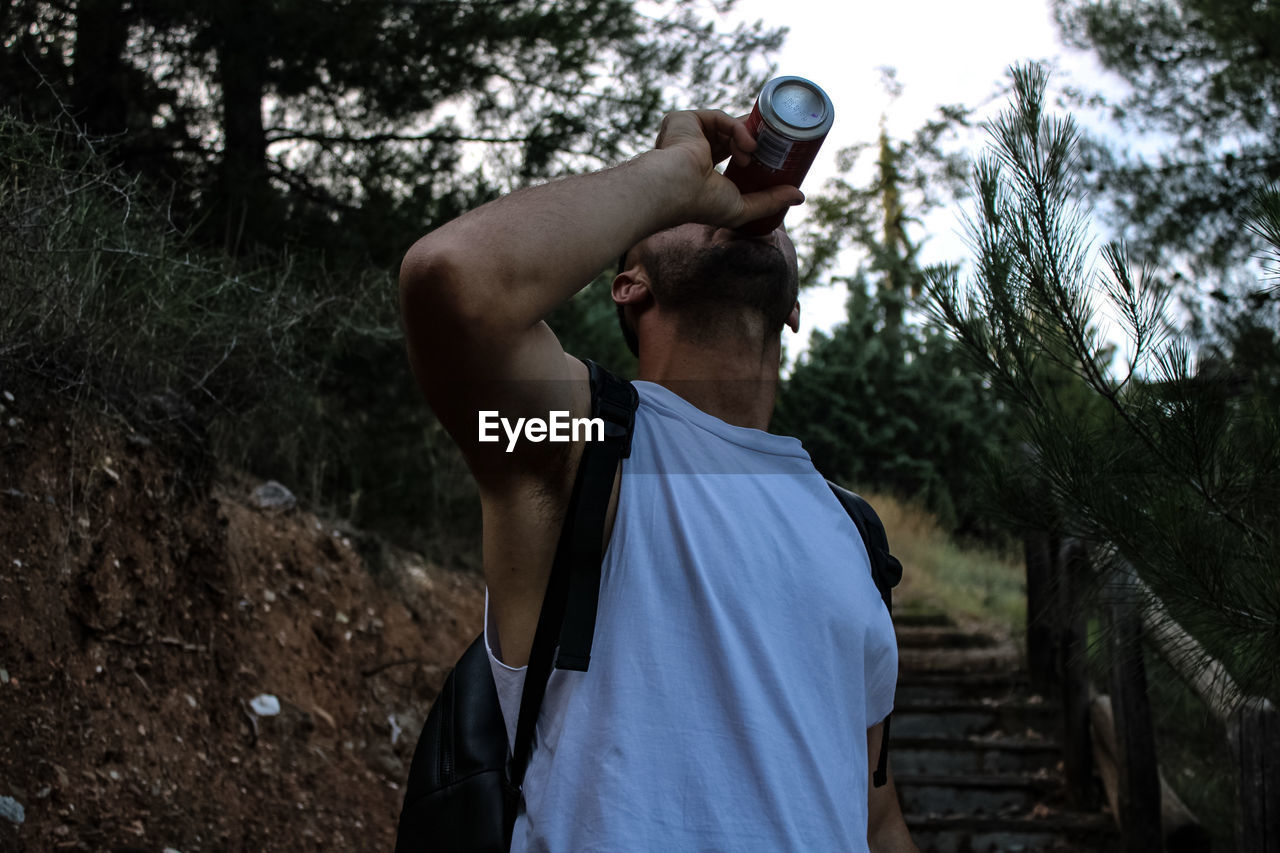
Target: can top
[[797, 107]]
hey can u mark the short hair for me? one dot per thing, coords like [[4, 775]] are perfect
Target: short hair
[[628, 333]]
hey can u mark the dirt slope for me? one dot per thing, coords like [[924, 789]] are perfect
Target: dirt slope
[[145, 601]]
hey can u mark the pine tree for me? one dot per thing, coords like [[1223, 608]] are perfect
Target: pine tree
[[1170, 463], [883, 402], [1205, 82]]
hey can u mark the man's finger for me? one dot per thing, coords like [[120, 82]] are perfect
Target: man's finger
[[741, 142], [726, 134], [742, 136], [768, 202]]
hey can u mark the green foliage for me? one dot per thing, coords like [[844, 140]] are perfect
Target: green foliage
[[357, 124], [102, 292], [884, 402], [894, 413], [1203, 74], [107, 303], [969, 583], [1173, 465], [911, 178]]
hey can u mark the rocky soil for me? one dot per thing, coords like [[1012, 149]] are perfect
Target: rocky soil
[[147, 600]]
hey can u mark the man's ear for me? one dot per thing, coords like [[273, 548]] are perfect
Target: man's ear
[[631, 287], [793, 319]]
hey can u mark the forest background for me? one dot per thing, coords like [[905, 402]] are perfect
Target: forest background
[[205, 205]]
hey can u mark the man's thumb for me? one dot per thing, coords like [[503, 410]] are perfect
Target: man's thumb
[[769, 202]]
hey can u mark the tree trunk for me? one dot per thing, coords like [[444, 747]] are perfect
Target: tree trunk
[[99, 77], [1069, 560], [244, 193], [1041, 646], [897, 253]]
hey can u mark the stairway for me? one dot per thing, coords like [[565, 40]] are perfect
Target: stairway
[[975, 754]]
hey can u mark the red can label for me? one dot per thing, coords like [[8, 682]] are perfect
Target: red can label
[[779, 152], [782, 157]]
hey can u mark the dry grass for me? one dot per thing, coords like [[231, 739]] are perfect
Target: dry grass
[[969, 585]]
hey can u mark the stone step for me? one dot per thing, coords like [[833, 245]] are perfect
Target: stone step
[[1000, 658], [942, 637], [933, 755], [974, 753], [993, 795], [916, 686], [916, 619], [966, 718], [1055, 832]]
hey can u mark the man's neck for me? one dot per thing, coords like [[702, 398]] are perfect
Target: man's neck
[[735, 381]]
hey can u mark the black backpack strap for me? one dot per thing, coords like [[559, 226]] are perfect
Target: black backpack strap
[[574, 566], [886, 571], [614, 402]]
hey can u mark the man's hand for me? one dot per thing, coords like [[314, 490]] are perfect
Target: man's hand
[[703, 138]]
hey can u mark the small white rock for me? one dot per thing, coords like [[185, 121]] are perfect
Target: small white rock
[[12, 810], [265, 705], [274, 496]]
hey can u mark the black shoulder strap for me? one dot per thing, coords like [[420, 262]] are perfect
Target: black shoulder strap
[[614, 402], [568, 612], [886, 571], [885, 568]]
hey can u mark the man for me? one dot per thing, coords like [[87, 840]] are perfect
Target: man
[[743, 662]]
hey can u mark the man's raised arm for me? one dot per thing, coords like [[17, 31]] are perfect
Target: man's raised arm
[[474, 292]]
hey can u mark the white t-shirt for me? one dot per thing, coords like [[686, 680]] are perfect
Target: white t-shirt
[[741, 653]]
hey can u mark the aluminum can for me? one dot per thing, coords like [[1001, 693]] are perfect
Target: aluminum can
[[789, 121]]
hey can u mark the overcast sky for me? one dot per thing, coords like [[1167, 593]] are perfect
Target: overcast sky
[[944, 52]]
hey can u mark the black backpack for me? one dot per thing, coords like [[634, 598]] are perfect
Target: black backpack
[[464, 787]]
